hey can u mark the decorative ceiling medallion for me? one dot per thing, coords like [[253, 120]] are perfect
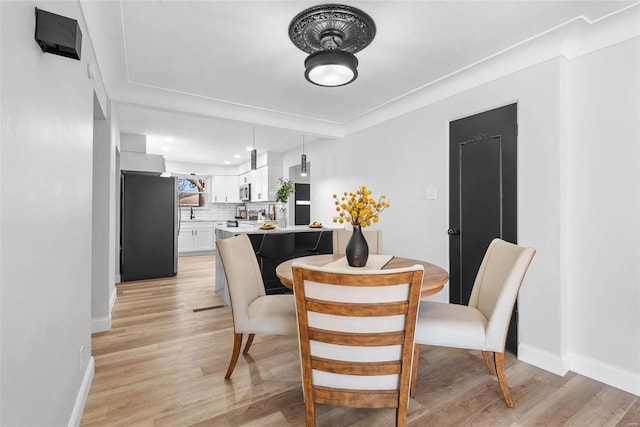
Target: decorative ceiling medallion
[[332, 26]]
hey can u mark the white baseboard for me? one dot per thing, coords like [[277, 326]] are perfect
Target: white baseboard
[[543, 359], [606, 373], [83, 393], [112, 298], [101, 324], [118, 278]]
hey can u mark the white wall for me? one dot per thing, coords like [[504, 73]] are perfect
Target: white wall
[[102, 234], [133, 142], [46, 215], [187, 168], [104, 239], [404, 156], [605, 211]]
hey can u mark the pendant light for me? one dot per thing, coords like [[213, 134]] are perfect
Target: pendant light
[[331, 34], [254, 152], [303, 161]]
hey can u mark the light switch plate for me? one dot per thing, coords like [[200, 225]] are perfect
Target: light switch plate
[[432, 193]]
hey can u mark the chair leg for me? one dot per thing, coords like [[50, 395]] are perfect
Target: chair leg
[[490, 361], [309, 412], [401, 417], [237, 343], [247, 346], [414, 370], [502, 379]]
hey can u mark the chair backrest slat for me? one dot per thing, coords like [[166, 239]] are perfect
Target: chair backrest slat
[[365, 310], [356, 398], [360, 339], [356, 368]]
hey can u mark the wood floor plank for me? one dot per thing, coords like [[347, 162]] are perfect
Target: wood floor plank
[[606, 409], [564, 403], [632, 417], [162, 364]]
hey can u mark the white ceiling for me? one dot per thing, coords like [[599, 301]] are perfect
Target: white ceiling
[[197, 76]]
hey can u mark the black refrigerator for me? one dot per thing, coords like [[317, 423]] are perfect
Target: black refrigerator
[[302, 197], [149, 226]]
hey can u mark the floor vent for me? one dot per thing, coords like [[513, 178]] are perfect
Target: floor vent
[[195, 310]]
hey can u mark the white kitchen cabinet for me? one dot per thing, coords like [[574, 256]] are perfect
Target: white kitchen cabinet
[[219, 189], [266, 182], [249, 178], [245, 178], [231, 184], [196, 236], [225, 189], [185, 240], [257, 187]]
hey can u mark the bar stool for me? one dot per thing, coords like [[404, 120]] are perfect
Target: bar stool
[[306, 243], [275, 248]]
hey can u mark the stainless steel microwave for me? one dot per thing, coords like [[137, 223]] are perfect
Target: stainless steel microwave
[[245, 192]]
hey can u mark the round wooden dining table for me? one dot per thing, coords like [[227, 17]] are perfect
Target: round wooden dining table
[[433, 280]]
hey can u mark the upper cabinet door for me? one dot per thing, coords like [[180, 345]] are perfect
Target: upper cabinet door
[[219, 189], [225, 189], [262, 178], [232, 189]]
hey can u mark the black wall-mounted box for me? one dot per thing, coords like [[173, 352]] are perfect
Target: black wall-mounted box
[[58, 34]]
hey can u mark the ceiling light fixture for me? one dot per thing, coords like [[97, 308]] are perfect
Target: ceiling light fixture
[[331, 34], [303, 160], [254, 152]]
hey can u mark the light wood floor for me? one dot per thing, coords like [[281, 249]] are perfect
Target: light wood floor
[[163, 364]]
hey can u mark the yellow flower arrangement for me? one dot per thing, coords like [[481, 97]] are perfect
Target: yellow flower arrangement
[[359, 208]]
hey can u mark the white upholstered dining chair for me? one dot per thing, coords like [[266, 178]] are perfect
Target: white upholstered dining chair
[[253, 311], [373, 238], [483, 324], [356, 334]]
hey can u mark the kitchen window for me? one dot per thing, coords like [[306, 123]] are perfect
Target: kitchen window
[[193, 190]]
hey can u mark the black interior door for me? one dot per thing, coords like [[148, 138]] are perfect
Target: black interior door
[[483, 196], [480, 205]]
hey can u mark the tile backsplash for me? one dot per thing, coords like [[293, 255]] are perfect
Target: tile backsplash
[[219, 211]]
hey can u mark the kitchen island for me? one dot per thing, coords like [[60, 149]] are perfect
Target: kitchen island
[[273, 247]]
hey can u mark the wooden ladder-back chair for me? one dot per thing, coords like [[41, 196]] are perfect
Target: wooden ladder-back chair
[[356, 333], [483, 324]]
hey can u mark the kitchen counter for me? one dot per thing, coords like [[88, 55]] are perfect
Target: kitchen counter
[[244, 228], [302, 240]]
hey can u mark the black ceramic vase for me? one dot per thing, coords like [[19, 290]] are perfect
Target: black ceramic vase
[[357, 250]]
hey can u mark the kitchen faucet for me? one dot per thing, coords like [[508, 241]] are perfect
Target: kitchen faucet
[[192, 216]]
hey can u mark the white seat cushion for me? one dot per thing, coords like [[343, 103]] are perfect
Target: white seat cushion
[[272, 314], [450, 325]]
